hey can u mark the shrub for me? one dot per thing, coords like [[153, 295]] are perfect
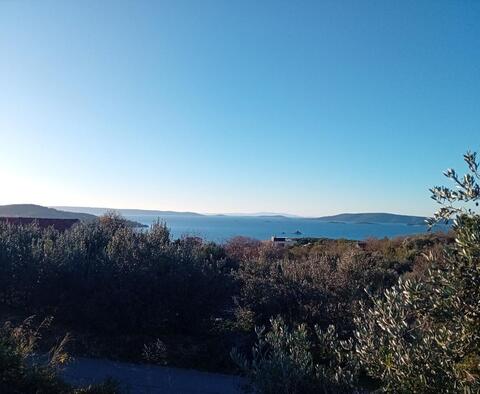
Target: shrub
[[120, 286], [319, 284], [22, 371], [292, 361], [424, 335]]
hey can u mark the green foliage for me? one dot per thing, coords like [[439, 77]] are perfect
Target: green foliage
[[123, 287], [421, 335], [22, 371], [320, 283], [292, 361], [16, 375], [120, 290], [281, 360], [458, 201], [424, 336], [108, 275], [336, 367]]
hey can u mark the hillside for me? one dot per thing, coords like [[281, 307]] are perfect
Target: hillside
[[386, 218], [38, 211], [126, 212]]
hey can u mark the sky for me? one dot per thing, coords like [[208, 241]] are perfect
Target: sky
[[302, 107]]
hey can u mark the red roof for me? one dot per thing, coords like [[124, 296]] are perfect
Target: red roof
[[58, 224]]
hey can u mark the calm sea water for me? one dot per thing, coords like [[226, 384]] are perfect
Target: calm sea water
[[222, 228]]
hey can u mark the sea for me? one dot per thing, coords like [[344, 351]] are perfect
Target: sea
[[222, 228]]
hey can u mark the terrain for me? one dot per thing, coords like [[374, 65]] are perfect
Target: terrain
[[384, 218], [38, 211], [41, 212]]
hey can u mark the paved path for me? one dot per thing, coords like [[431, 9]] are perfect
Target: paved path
[[151, 379]]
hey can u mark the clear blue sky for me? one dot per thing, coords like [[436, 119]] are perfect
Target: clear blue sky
[[306, 107]]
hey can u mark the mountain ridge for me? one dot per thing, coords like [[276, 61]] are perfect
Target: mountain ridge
[[98, 211], [42, 212], [39, 211], [358, 218], [373, 217]]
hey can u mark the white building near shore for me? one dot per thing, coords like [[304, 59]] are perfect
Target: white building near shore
[[282, 241]]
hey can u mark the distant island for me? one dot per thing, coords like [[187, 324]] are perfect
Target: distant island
[[352, 218], [41, 212], [155, 212], [125, 212], [371, 218]]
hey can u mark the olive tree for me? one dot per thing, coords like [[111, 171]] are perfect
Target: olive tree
[[424, 336]]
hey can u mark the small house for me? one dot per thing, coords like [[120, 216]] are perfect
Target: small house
[[282, 241]]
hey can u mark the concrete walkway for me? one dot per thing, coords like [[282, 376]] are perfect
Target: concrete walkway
[[151, 379]]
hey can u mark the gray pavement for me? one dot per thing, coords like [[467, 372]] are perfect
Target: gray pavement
[[151, 379]]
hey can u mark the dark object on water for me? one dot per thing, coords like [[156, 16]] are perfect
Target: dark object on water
[[298, 232]]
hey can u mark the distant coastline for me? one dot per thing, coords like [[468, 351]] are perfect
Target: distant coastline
[[359, 218], [222, 227], [40, 212]]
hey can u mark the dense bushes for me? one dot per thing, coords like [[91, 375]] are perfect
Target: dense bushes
[[107, 280], [23, 372], [396, 314], [422, 335], [109, 276], [120, 290], [320, 282], [290, 361]]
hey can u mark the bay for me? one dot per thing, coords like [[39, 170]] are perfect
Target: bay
[[222, 228]]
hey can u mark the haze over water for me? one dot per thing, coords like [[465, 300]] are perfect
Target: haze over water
[[222, 228]]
